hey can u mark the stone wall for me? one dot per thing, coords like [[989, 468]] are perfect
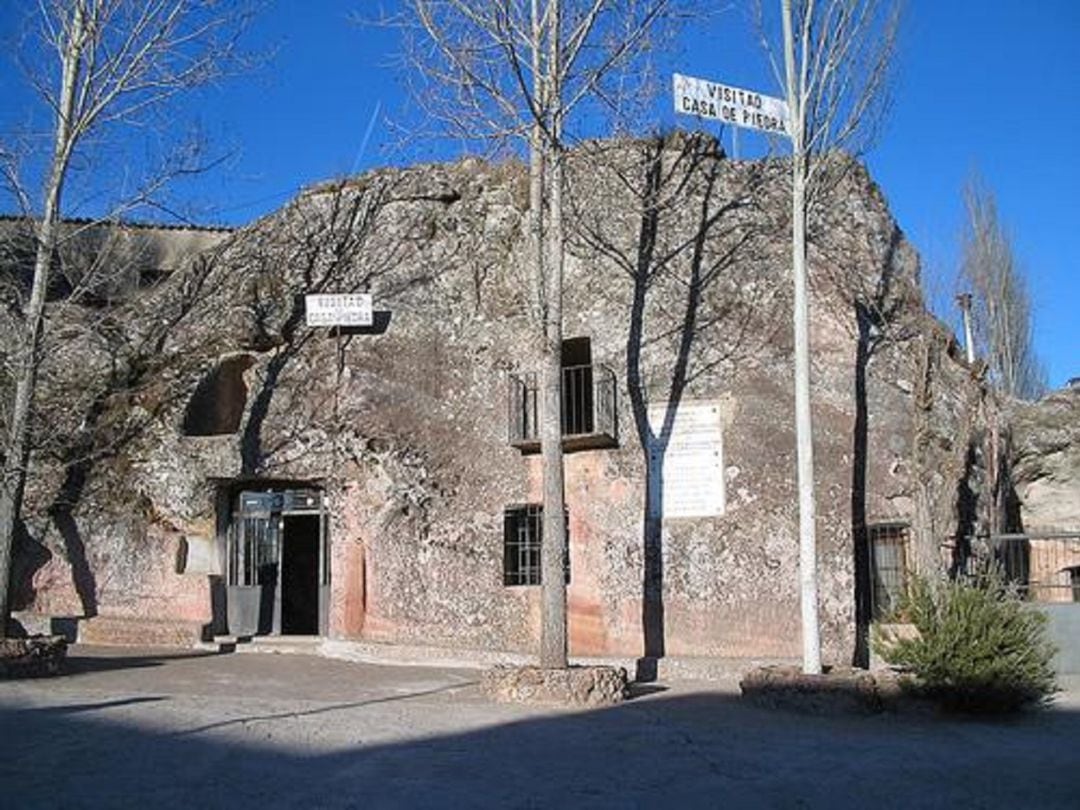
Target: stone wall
[[678, 275]]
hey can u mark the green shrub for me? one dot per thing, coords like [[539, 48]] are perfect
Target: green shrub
[[979, 647]]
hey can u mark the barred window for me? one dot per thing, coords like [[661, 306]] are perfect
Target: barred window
[[522, 536], [888, 564]]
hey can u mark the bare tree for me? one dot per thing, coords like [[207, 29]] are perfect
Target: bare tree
[[1000, 305], [101, 64], [833, 72], [525, 71]]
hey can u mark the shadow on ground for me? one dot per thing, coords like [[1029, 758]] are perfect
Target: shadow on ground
[[674, 749], [81, 664]]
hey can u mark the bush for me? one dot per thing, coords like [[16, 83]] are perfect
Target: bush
[[979, 647]]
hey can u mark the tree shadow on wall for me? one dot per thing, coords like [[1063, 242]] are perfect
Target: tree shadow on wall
[[978, 519], [28, 557], [875, 315], [328, 245], [85, 411], [683, 323]]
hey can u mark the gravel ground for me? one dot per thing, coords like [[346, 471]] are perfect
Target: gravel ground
[[152, 729]]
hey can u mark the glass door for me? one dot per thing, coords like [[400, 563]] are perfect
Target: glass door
[[254, 553]]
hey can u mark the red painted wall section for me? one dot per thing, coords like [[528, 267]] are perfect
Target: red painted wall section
[[348, 566]]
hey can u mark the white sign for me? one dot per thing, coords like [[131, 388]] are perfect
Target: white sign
[[693, 466], [731, 105], [348, 309]]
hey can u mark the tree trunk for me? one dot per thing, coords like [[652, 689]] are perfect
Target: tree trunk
[[17, 449], [553, 643]]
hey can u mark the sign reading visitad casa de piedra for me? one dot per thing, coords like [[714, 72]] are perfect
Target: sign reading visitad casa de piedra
[[342, 309], [730, 105]]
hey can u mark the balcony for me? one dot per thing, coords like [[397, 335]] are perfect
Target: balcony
[[589, 418]]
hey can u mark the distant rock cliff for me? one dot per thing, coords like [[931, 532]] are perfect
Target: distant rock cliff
[[1046, 460]]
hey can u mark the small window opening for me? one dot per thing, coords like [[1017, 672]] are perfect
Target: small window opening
[[888, 564], [217, 406], [522, 539]]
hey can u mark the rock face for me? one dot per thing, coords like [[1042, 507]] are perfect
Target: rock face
[[1046, 460], [412, 432]]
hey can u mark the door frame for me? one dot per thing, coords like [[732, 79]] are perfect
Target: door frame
[[271, 502]]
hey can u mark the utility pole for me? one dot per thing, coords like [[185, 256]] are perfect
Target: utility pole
[[811, 634], [964, 300]]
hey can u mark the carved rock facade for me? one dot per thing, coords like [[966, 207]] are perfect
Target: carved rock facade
[[207, 385]]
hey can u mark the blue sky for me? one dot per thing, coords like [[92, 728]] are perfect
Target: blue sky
[[992, 87]]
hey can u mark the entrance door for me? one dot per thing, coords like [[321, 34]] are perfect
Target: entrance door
[[278, 564]]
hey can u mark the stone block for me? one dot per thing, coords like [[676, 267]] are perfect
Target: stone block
[[840, 691], [130, 631], [574, 686]]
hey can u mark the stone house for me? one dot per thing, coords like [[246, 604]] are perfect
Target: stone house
[[238, 471]]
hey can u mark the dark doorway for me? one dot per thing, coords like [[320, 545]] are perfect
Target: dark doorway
[[300, 575]]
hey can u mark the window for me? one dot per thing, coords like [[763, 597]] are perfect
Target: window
[[888, 565], [522, 537]]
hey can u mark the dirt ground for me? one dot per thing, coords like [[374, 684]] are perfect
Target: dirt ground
[[151, 729]]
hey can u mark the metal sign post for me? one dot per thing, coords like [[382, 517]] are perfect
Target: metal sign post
[[751, 110]]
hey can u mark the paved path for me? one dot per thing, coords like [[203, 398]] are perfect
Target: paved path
[[146, 729]]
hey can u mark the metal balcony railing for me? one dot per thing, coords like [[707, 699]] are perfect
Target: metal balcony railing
[[589, 418], [1044, 566]]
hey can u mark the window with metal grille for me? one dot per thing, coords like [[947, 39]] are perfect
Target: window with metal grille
[[522, 537], [888, 565]]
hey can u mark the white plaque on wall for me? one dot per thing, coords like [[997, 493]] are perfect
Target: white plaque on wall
[[693, 462]]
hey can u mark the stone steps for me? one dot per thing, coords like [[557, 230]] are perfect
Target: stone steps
[[286, 645], [42, 624]]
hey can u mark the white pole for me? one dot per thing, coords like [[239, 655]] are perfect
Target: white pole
[[964, 300], [811, 635]]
